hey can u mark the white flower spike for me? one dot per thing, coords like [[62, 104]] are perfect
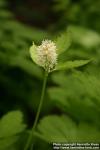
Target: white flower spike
[[45, 55]]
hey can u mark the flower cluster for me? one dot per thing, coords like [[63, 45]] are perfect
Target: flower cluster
[[46, 55]]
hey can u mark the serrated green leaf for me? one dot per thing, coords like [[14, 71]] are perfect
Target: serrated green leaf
[[33, 53], [71, 64], [63, 42], [53, 128], [11, 124], [63, 129], [77, 93]]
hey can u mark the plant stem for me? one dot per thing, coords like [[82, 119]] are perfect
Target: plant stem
[[38, 112]]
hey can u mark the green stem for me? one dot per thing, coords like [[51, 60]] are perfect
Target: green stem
[[38, 112]]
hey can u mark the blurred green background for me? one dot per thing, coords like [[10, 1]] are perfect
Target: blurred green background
[[75, 93]]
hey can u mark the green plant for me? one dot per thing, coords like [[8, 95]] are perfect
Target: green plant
[[71, 111], [47, 55]]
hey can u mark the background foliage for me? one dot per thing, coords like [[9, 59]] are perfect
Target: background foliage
[[72, 97]]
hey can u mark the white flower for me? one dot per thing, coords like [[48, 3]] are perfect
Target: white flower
[[45, 55]]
